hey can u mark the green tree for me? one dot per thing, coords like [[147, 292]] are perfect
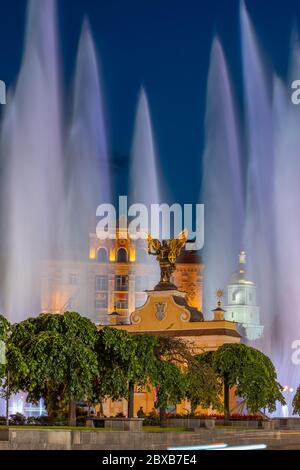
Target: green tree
[[296, 402], [4, 335], [204, 387], [52, 357], [124, 360], [169, 375], [5, 330], [171, 386], [251, 373]]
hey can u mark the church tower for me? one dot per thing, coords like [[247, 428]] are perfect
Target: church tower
[[241, 305]]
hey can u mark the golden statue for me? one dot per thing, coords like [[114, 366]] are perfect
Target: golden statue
[[166, 253]]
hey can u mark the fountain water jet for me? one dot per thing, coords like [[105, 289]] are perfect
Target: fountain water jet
[[31, 153], [259, 223], [87, 168], [286, 176], [144, 182], [222, 183]]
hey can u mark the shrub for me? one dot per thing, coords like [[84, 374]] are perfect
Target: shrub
[[17, 419], [152, 419], [2, 421], [47, 421]]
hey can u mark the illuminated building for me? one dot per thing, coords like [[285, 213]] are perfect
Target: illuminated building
[[114, 277], [241, 305]]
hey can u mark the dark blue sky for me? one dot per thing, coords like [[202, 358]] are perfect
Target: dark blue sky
[[164, 45]]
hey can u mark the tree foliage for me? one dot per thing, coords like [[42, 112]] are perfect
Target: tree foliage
[[251, 372], [62, 358], [122, 358], [296, 402], [4, 335], [52, 357], [204, 387], [5, 330], [171, 384]]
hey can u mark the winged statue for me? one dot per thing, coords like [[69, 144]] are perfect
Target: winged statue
[[166, 253]]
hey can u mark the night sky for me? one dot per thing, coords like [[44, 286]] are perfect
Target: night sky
[[164, 45]]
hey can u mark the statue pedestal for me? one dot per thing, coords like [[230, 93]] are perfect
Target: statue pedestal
[[165, 309], [162, 286]]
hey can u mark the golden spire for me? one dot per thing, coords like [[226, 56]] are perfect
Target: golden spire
[[242, 257], [219, 296]]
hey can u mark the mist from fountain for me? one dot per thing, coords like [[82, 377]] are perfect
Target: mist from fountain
[[259, 224], [222, 180], [144, 182], [286, 182], [87, 167], [143, 172], [31, 153]]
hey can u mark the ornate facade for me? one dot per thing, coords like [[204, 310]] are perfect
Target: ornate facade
[[114, 278]]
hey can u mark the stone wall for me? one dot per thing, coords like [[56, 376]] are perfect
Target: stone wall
[[54, 439], [44, 439]]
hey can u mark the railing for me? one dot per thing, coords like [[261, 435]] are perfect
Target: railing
[[121, 288]]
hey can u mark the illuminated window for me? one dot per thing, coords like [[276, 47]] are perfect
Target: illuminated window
[[102, 255], [121, 282], [122, 256], [122, 303]]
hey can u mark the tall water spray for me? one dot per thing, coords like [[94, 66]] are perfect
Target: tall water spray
[[143, 173], [87, 170], [144, 182], [287, 222], [222, 179], [32, 165], [259, 224]]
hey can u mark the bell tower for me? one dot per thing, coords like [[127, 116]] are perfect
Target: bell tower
[[242, 305]]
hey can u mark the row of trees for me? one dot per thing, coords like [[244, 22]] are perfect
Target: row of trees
[[65, 358]]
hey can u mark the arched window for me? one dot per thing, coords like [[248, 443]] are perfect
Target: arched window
[[122, 256], [102, 255]]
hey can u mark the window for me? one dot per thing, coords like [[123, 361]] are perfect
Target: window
[[72, 279], [101, 302], [121, 282], [122, 303], [250, 296], [102, 255], [101, 283], [233, 297], [122, 256]]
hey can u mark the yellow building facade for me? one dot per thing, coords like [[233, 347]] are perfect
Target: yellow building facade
[[115, 286], [114, 277], [168, 313]]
